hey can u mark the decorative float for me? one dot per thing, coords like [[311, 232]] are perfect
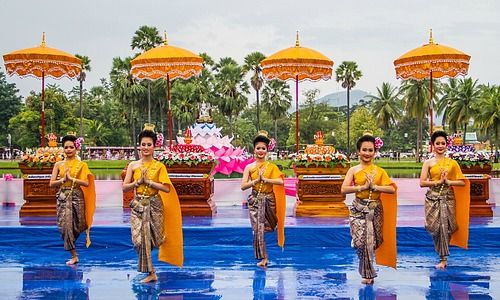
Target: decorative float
[[320, 171], [476, 166], [36, 167]]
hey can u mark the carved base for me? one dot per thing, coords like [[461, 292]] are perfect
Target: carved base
[[479, 195], [40, 198], [320, 198], [195, 196]]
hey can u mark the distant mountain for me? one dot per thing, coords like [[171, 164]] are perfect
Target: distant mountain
[[340, 98]]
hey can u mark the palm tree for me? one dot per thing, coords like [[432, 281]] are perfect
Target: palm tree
[[276, 99], [146, 38], [460, 109], [252, 62], [416, 98], [85, 64], [386, 105], [488, 116], [449, 91], [348, 74], [184, 107], [125, 87], [231, 89]]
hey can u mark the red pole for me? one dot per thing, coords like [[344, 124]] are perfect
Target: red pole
[[169, 112], [43, 109], [430, 115], [297, 114]]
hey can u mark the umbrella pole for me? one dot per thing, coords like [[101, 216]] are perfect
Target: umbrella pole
[[169, 112], [430, 114], [43, 109], [297, 114]]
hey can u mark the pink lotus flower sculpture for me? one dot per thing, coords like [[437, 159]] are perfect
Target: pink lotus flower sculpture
[[230, 159]]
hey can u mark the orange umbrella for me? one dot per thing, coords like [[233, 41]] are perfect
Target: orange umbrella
[[39, 62], [299, 64], [167, 62], [431, 61]]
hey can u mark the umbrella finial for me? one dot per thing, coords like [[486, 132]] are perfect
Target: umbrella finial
[[43, 39], [165, 40], [297, 40], [431, 41]]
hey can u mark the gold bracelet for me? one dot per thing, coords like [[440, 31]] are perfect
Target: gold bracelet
[[359, 188]]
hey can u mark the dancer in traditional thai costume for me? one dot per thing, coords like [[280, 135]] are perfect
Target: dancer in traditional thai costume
[[266, 203], [75, 199], [447, 200], [373, 212], [155, 215]]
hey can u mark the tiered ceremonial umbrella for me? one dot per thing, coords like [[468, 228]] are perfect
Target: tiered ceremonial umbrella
[[299, 64], [167, 62], [41, 62], [431, 61]]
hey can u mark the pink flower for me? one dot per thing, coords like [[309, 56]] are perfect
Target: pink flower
[[378, 143], [272, 144], [8, 176], [78, 143]]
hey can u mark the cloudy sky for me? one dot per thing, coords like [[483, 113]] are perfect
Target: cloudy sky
[[372, 33]]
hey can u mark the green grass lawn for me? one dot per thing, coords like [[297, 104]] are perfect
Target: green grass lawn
[[112, 168]]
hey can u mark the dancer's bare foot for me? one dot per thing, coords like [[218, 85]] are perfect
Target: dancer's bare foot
[[72, 261], [443, 262], [151, 277], [368, 281], [441, 265], [263, 263]]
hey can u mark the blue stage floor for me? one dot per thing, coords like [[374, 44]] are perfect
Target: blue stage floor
[[317, 262]]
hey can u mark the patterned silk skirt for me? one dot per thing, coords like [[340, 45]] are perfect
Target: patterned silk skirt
[[262, 211], [70, 215], [440, 220], [366, 219], [146, 220]]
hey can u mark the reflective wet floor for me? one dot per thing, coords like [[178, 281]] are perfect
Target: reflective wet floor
[[316, 263]]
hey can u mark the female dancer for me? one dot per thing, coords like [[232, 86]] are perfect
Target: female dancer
[[447, 200], [373, 211], [266, 204], [75, 198], [155, 215]]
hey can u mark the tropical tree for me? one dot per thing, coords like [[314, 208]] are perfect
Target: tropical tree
[[11, 105], [487, 118], [276, 100], [252, 63], [98, 134], [386, 105], [126, 89], [461, 103], [348, 74], [231, 89], [362, 121], [448, 91], [184, 107], [144, 39], [85, 65], [417, 103]]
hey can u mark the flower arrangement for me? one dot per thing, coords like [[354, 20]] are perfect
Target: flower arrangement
[[8, 177], [190, 155], [329, 160], [378, 143], [466, 156], [43, 157]]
